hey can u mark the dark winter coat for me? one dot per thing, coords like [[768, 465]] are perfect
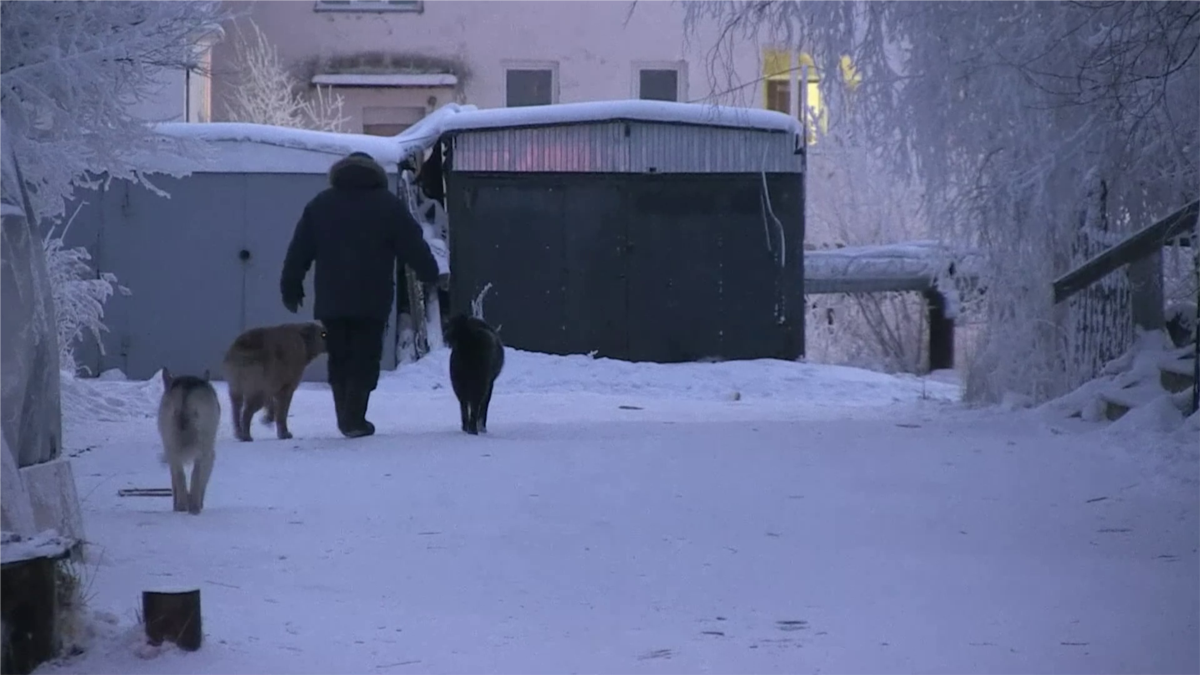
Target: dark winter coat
[[355, 231]]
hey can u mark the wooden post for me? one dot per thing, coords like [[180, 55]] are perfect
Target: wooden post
[[1196, 326], [28, 609], [941, 332], [173, 616], [1146, 292]]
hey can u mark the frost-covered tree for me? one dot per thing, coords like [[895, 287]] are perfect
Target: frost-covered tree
[[79, 292], [1041, 132], [852, 200], [266, 92], [70, 74], [72, 71]]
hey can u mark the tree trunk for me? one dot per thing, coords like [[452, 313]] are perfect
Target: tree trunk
[[173, 616]]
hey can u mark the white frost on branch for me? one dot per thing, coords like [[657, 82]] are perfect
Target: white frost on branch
[[266, 92], [80, 294], [477, 301], [72, 71], [1001, 110], [72, 75]]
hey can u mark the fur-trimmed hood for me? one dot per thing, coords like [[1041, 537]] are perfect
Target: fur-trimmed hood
[[357, 171]]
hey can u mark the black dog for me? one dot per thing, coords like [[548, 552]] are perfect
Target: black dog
[[476, 359]]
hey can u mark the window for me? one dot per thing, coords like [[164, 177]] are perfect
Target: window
[[778, 69], [659, 80], [529, 86], [658, 85], [369, 6]]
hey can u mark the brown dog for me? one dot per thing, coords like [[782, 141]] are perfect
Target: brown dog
[[263, 368]]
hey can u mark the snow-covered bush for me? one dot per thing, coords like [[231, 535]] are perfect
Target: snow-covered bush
[[1012, 115], [72, 74], [854, 201], [79, 296], [266, 92]]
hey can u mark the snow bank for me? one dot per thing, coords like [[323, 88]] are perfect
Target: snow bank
[[633, 109], [820, 385], [117, 400], [1133, 381], [109, 399], [258, 148]]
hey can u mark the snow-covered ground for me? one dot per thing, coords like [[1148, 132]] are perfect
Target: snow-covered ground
[[729, 517]]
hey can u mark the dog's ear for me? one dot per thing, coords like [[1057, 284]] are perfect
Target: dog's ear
[[207, 375], [166, 378]]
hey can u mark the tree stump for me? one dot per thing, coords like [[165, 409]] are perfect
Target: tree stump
[[28, 614], [173, 616]]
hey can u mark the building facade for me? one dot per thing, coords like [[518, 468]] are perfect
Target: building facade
[[181, 95], [394, 61]]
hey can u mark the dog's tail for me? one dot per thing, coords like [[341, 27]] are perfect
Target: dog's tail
[[186, 414], [195, 414]]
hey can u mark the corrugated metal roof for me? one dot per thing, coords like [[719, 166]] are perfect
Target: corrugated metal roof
[[626, 147]]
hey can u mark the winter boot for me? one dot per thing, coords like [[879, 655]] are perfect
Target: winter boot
[[339, 405], [365, 395], [357, 425]]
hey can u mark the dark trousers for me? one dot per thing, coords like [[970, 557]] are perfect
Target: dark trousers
[[355, 347]]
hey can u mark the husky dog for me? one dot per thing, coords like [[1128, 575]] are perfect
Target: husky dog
[[263, 368], [476, 359], [188, 415]]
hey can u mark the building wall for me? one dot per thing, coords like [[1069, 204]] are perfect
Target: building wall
[[167, 102], [186, 308], [640, 267], [594, 46], [178, 95]]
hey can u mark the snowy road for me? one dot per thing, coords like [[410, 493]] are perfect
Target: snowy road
[[683, 536]]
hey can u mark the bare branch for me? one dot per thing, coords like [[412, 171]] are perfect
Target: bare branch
[[268, 93]]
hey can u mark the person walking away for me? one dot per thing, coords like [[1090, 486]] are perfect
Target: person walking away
[[354, 231]]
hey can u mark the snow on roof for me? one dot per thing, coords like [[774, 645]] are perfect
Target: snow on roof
[[382, 148], [233, 147], [603, 111], [924, 258], [230, 147]]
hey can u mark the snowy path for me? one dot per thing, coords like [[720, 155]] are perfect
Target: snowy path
[[687, 536]]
